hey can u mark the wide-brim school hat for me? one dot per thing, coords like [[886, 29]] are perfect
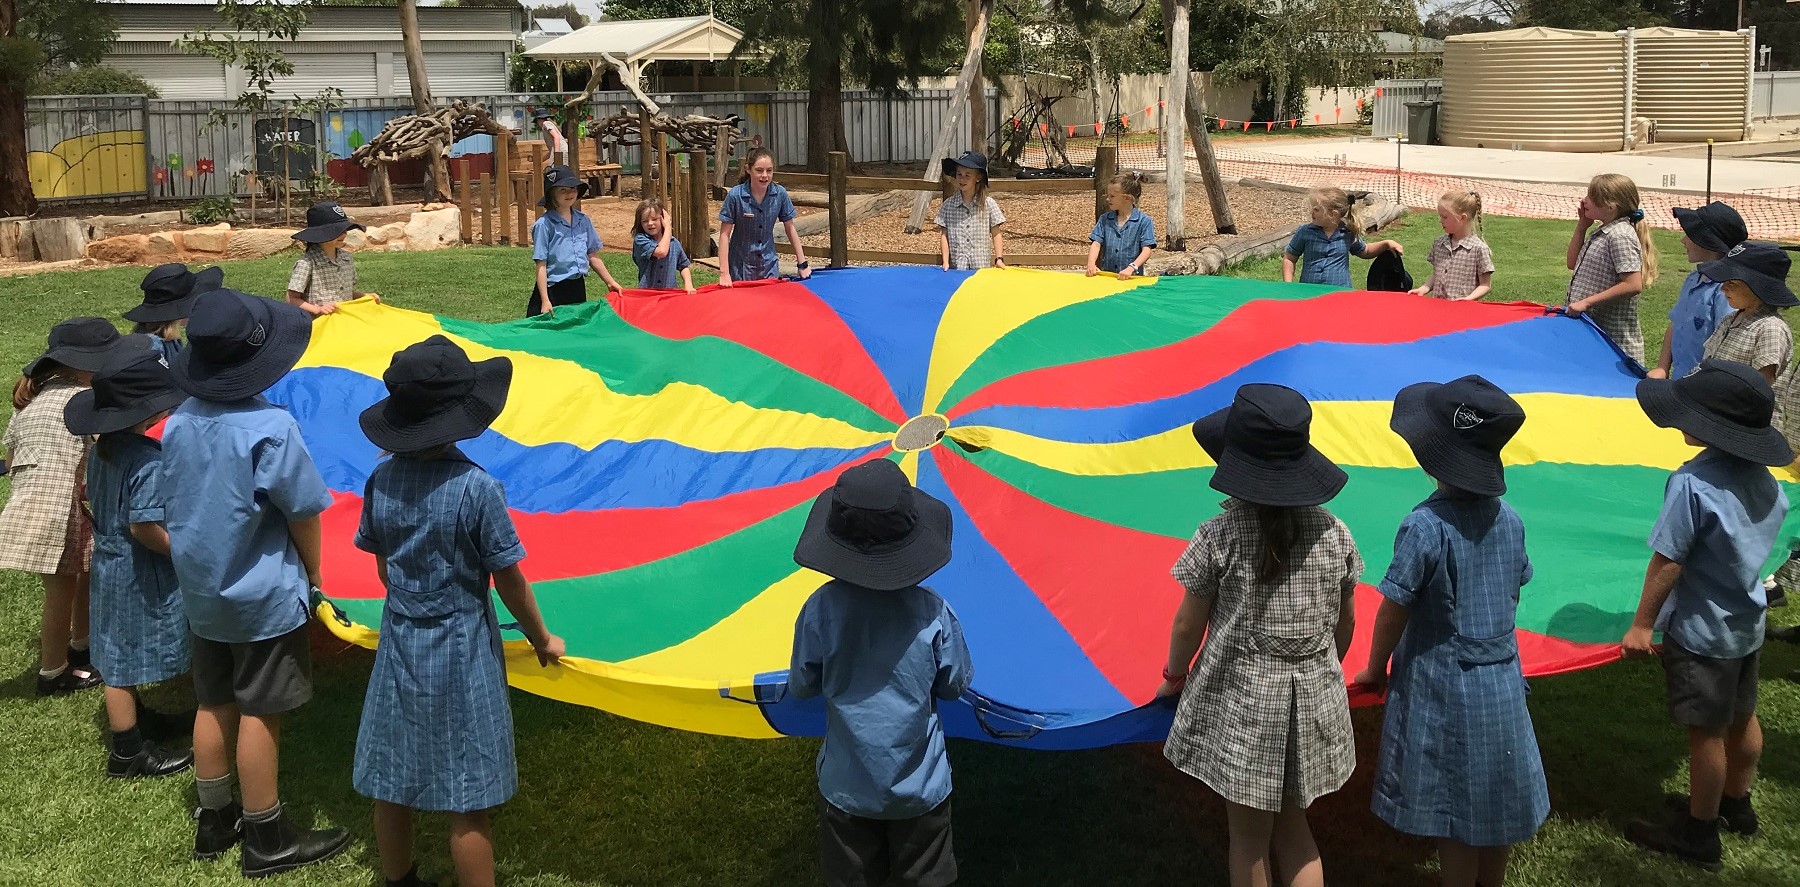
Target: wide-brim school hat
[[1724, 404], [326, 222], [974, 160], [170, 291], [1457, 429], [1763, 267], [436, 396], [135, 385], [79, 343], [1268, 457], [873, 528], [542, 114], [239, 345], [562, 177], [1715, 226], [1209, 432]]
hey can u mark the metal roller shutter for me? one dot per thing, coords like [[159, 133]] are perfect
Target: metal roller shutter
[[314, 72], [456, 73], [183, 77]]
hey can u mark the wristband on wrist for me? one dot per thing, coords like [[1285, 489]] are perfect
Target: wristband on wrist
[[1174, 678], [801, 264]]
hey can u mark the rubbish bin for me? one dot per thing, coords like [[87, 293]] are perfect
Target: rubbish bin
[[1421, 122]]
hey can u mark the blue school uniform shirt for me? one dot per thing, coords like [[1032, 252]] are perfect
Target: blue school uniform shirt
[[563, 246], [1719, 518], [1697, 312], [655, 273], [140, 634], [753, 238], [1120, 246], [1324, 259], [233, 475], [882, 660]]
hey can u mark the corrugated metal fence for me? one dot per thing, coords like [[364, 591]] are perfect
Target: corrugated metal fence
[[1390, 103], [117, 148]]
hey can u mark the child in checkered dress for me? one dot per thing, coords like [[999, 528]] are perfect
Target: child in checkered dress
[[1264, 719], [326, 273], [44, 529], [1613, 264], [970, 222], [1462, 267], [1754, 333], [140, 626], [1459, 761], [436, 729]]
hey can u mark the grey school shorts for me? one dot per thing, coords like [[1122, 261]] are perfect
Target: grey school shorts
[[266, 677], [1708, 693], [856, 851]]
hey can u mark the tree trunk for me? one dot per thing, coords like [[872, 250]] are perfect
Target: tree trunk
[[16, 198], [437, 178], [952, 125], [1176, 155], [825, 114], [978, 118], [1209, 163]]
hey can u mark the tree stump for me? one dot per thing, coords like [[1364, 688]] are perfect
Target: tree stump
[[44, 240]]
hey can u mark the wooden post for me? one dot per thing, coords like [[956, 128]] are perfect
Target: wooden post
[[1175, 160], [678, 211], [1106, 163], [535, 185], [1209, 162], [468, 221], [644, 155], [487, 210], [721, 155], [503, 178], [839, 174], [521, 210], [663, 182], [978, 122], [699, 227], [953, 122]]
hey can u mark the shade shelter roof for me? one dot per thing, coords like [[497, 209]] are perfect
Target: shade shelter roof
[[695, 38]]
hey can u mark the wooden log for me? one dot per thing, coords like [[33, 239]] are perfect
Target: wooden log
[[504, 181], [954, 121], [699, 242], [894, 257], [54, 240], [1209, 162], [1106, 162], [465, 206], [10, 229], [721, 153], [839, 164], [487, 210]]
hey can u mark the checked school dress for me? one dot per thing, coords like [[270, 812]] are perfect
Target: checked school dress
[[436, 730], [43, 528], [1265, 718], [140, 627], [1459, 759]]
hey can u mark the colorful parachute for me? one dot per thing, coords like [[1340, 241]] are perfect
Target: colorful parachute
[[660, 453]]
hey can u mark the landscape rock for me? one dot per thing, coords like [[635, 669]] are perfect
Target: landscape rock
[[434, 230], [1166, 264], [355, 239], [386, 234], [162, 245], [121, 250], [210, 239], [255, 243]]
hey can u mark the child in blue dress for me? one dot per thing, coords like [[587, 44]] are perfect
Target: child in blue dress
[[436, 729], [658, 255], [747, 220], [139, 627], [1323, 246], [1123, 236], [169, 294], [564, 245], [1459, 761]]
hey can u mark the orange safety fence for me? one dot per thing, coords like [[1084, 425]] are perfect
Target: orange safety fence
[[1770, 213]]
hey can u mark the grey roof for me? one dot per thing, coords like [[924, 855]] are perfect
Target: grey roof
[[1396, 43]]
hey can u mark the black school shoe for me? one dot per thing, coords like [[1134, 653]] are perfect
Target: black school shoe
[[1690, 840], [216, 831], [164, 724], [412, 879], [1736, 815], [1788, 633], [273, 847], [69, 682], [151, 761]]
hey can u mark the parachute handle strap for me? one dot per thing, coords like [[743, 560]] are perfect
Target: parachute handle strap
[[986, 709], [757, 689]]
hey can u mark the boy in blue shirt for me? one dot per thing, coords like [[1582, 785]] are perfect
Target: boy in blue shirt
[[1708, 233], [882, 651], [564, 245], [242, 505], [1721, 512]]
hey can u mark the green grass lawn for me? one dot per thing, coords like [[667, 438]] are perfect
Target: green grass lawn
[[606, 801]]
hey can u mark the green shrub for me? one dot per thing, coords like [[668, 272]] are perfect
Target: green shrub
[[93, 80]]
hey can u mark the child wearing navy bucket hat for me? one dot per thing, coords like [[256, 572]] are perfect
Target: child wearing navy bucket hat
[[140, 630], [1263, 718], [326, 273], [169, 294], [1721, 513], [1752, 276], [883, 651], [441, 535], [564, 245], [1459, 760], [242, 500], [1708, 233], [970, 224]]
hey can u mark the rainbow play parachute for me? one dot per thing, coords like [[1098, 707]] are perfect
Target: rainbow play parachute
[[660, 453]]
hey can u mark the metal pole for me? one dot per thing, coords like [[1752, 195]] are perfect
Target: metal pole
[[1399, 139], [1709, 150]]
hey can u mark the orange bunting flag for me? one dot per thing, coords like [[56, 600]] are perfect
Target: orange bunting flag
[[1294, 123], [1378, 92], [1098, 128], [1125, 120], [1246, 126], [1338, 112], [1318, 118], [1147, 110], [1043, 129], [1071, 131], [1268, 126], [1359, 105], [1162, 104]]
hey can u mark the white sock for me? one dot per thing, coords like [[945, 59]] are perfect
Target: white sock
[[48, 673], [79, 646]]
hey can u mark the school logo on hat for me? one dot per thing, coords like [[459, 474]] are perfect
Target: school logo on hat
[[1735, 251], [1465, 418], [258, 336]]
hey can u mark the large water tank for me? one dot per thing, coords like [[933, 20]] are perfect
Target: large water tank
[[1542, 89], [1694, 84]]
